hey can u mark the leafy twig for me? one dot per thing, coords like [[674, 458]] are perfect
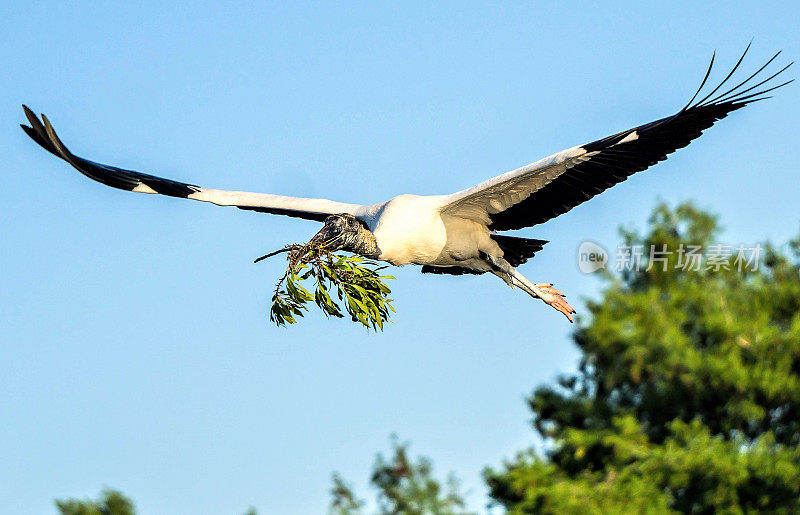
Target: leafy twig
[[358, 286]]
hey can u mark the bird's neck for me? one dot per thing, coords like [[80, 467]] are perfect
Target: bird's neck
[[364, 244]]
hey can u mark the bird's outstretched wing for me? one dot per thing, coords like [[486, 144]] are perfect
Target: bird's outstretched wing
[[545, 189], [309, 208]]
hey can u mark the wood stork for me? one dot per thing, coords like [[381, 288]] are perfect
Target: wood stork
[[457, 233]]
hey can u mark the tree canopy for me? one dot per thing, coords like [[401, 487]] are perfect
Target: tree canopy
[[404, 486], [110, 502], [687, 396]]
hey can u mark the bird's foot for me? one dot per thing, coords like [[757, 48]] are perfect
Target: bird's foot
[[555, 298]]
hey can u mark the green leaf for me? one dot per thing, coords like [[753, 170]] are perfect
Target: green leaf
[[354, 279]]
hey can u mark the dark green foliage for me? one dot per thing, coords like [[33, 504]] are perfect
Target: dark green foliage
[[404, 487], [110, 502], [687, 397], [357, 283], [344, 500]]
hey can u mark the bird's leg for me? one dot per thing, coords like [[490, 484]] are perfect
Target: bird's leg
[[544, 291]]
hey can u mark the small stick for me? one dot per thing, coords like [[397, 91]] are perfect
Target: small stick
[[287, 248], [265, 256]]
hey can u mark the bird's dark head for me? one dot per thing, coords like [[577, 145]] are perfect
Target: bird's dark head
[[346, 232]]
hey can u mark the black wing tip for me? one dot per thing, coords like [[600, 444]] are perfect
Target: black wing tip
[[42, 132], [702, 82], [31, 116], [29, 131], [38, 133], [737, 96]]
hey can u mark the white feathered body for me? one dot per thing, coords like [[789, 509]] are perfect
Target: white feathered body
[[411, 229]]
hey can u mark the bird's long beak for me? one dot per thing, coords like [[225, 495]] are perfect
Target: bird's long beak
[[329, 237]]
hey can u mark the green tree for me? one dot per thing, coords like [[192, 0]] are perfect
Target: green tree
[[404, 487], [687, 396], [686, 399], [110, 502]]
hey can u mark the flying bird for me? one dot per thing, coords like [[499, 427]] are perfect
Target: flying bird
[[458, 233]]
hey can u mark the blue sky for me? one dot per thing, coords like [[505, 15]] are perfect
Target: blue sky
[[135, 349]]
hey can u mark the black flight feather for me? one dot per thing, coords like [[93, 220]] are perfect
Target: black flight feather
[[42, 132], [613, 162]]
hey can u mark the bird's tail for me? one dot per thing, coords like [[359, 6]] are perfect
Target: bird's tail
[[518, 250]]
